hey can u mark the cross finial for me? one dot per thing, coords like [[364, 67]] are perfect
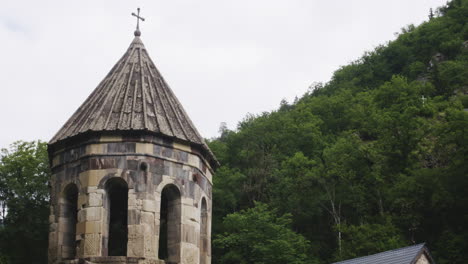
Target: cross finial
[[137, 31], [423, 99]]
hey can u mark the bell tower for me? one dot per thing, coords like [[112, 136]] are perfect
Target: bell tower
[[131, 176]]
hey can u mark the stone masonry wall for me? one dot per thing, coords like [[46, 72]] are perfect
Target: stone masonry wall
[[147, 166]]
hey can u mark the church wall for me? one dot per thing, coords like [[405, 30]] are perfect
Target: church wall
[[147, 164]]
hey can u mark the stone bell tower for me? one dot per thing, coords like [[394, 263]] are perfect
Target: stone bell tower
[[131, 176]]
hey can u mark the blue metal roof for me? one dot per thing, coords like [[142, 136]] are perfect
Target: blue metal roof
[[406, 255]]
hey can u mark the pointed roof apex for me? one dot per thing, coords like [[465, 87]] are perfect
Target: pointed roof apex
[[137, 42], [133, 97]]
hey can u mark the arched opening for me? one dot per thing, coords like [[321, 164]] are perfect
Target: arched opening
[[68, 217], [204, 242], [170, 225], [117, 201]]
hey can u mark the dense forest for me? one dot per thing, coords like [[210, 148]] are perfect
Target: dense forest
[[373, 160]]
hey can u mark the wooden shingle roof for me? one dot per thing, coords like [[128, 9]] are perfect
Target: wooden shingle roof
[[133, 97]]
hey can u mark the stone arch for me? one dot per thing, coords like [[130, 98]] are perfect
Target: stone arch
[[124, 176], [68, 204], [204, 238], [170, 224], [116, 205]]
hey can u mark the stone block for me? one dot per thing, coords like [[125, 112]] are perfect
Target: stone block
[[82, 201], [52, 238], [168, 168], [95, 149], [132, 165], [209, 176], [183, 147], [190, 234], [134, 217], [53, 227], [194, 160], [121, 162], [51, 219], [90, 214], [92, 177], [92, 243], [157, 178], [99, 163], [132, 200], [183, 156], [68, 252], [135, 241], [63, 224], [149, 205], [190, 254], [89, 227], [167, 152], [157, 150], [95, 199], [150, 245], [157, 166], [91, 189], [144, 148], [148, 219], [56, 160]]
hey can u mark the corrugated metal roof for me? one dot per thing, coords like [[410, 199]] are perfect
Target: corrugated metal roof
[[133, 97], [404, 255]]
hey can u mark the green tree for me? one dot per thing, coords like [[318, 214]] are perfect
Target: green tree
[[367, 239], [24, 195], [259, 236]]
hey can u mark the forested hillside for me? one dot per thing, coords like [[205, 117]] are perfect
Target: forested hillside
[[373, 160]]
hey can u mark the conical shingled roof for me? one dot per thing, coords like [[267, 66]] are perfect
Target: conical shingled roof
[[132, 97]]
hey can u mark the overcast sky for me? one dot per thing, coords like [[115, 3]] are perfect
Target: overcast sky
[[222, 58]]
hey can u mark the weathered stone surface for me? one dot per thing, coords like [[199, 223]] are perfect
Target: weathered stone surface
[[91, 245], [130, 135], [95, 199], [88, 227], [190, 255], [90, 214], [149, 205], [92, 177], [144, 148], [190, 234], [132, 202], [135, 241], [148, 219], [134, 217]]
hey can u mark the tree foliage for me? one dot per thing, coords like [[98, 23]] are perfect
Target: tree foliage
[[24, 174], [259, 236], [373, 160]]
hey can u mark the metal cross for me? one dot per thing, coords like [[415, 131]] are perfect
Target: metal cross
[[423, 99], [138, 19]]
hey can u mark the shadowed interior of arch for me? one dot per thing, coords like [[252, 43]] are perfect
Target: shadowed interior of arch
[[117, 205], [203, 232], [68, 217], [170, 224]]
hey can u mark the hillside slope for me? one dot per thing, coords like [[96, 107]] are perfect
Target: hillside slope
[[373, 160]]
